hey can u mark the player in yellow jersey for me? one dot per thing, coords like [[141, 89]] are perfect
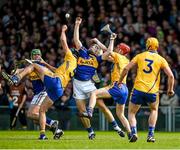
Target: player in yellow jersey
[[119, 95], [54, 79], [146, 86]]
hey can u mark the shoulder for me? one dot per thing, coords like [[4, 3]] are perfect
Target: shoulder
[[82, 48], [161, 58], [83, 52]]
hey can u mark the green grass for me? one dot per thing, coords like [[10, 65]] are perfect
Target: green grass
[[79, 140]]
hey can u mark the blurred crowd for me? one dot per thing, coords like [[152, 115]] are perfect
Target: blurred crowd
[[25, 25]]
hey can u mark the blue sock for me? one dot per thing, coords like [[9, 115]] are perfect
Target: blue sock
[[133, 130], [151, 131], [89, 129], [114, 124], [48, 121]]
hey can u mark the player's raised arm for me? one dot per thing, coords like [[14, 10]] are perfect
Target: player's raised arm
[[106, 55], [77, 42], [170, 75], [101, 45], [64, 39]]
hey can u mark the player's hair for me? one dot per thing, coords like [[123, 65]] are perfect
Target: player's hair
[[152, 44]]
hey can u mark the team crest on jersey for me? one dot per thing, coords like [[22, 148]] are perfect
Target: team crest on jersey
[[88, 62]]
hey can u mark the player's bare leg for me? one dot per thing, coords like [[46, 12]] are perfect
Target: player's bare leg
[[152, 120], [120, 113], [15, 79], [100, 93], [132, 110], [40, 70], [81, 105], [33, 113], [105, 110], [103, 93], [47, 103]]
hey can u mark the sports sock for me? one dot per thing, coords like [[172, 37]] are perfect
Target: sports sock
[[151, 131], [42, 132], [49, 121], [133, 130], [115, 126], [90, 129]]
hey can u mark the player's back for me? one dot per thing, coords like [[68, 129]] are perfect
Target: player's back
[[66, 70], [120, 62], [17, 92], [149, 64]]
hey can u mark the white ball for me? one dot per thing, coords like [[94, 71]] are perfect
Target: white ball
[[67, 15]]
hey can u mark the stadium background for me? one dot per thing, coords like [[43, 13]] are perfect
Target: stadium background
[[25, 25]]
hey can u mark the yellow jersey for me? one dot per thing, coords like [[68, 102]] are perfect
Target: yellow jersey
[[148, 72], [33, 76], [119, 63], [66, 71]]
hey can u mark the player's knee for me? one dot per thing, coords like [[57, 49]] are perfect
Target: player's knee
[[94, 93], [154, 109], [81, 111], [32, 115], [29, 115], [42, 109]]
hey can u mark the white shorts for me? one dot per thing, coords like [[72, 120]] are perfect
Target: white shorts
[[38, 98], [82, 89]]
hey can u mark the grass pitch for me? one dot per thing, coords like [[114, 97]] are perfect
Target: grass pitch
[[79, 140]]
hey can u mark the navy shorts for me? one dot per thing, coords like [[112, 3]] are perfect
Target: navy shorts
[[140, 98], [119, 94], [53, 87]]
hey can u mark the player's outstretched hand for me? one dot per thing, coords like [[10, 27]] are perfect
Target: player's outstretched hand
[[64, 28], [170, 93], [78, 20]]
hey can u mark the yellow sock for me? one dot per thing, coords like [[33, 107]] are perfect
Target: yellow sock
[[42, 131]]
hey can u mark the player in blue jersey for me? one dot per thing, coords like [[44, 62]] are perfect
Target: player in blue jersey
[[39, 94], [83, 85], [119, 95]]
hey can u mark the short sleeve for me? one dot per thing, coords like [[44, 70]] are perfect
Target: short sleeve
[[99, 59], [115, 57], [164, 63], [83, 52], [68, 55], [135, 59]]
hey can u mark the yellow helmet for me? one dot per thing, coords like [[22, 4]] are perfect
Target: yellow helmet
[[152, 43]]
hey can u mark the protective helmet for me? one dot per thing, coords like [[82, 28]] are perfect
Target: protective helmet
[[35, 51], [152, 44], [123, 48]]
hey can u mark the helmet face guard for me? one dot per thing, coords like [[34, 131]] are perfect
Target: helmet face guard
[[152, 44], [35, 52], [123, 48]]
